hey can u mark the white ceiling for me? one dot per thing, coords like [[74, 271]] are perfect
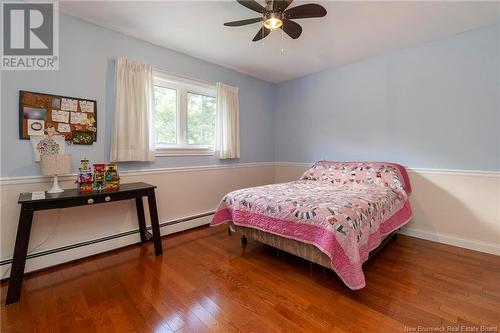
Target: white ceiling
[[351, 30]]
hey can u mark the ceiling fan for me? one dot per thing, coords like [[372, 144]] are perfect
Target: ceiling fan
[[276, 16]]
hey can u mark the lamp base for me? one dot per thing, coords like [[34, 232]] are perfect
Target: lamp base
[[55, 187]]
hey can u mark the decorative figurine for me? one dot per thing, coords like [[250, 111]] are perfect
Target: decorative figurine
[[112, 177], [99, 177], [103, 177], [85, 176]]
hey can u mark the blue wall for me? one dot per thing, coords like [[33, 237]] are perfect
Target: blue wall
[[435, 105], [432, 106], [86, 70]]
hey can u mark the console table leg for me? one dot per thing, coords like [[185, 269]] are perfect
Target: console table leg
[[155, 225], [20, 251], [142, 220]]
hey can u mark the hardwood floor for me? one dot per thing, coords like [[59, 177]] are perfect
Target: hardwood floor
[[205, 282]]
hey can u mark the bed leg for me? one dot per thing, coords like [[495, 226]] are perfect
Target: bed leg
[[229, 230], [244, 241], [311, 268]]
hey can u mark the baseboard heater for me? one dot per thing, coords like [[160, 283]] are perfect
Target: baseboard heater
[[104, 239]]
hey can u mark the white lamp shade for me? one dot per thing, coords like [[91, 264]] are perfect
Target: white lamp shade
[[55, 165]]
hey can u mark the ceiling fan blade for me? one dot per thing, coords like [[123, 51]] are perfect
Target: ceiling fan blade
[[243, 22], [281, 5], [253, 5], [263, 32], [293, 29], [305, 11]]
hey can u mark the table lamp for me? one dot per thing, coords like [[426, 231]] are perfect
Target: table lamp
[[55, 165]]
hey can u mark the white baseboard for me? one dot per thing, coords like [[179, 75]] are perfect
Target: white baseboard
[[46, 261], [451, 240], [178, 227]]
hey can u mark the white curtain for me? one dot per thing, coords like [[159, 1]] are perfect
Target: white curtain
[[131, 139], [227, 132]]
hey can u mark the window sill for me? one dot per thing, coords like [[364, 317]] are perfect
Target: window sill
[[184, 151]]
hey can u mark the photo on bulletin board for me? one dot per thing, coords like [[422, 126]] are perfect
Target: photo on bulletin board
[[71, 117]]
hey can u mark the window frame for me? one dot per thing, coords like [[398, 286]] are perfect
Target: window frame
[[182, 86]]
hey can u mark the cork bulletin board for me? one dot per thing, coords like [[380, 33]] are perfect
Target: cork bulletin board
[[74, 118]]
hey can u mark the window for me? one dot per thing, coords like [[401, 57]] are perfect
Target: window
[[184, 116], [200, 119], [165, 115]]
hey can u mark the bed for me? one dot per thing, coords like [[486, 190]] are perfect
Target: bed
[[334, 215]]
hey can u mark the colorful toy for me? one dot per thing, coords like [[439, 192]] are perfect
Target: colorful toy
[[112, 177], [103, 177], [99, 177], [85, 176]]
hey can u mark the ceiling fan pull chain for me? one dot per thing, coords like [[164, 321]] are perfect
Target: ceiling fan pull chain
[[262, 30], [282, 42]]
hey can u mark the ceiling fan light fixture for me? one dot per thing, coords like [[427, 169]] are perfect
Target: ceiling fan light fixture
[[272, 21], [276, 15]]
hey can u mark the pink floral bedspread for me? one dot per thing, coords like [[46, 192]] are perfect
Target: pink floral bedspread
[[343, 208]]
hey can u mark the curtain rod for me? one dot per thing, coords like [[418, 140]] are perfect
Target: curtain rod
[[180, 76], [183, 77]]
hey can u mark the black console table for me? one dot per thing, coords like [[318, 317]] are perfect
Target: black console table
[[72, 198]]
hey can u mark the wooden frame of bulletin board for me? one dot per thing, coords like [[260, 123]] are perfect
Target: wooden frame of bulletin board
[[74, 118]]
